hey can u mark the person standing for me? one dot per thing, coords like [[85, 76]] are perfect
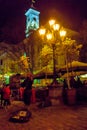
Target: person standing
[[72, 82], [64, 91], [21, 93], [79, 83], [1, 95], [6, 95], [28, 89]]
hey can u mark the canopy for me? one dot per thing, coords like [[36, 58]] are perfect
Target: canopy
[[43, 75], [75, 66], [46, 72], [76, 73]]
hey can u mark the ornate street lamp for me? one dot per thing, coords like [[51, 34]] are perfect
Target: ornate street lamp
[[53, 35]]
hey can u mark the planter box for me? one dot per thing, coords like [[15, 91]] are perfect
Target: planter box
[[55, 92], [69, 96]]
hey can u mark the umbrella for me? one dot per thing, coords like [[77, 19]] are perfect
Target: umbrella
[[73, 73], [45, 72], [43, 75], [74, 66]]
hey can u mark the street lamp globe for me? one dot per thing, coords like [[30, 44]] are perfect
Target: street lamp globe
[[51, 22], [42, 31], [49, 36], [62, 33], [56, 27]]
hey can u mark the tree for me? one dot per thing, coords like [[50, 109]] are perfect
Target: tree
[[68, 46], [72, 48], [45, 55], [14, 53]]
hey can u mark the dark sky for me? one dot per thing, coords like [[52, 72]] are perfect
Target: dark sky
[[70, 13]]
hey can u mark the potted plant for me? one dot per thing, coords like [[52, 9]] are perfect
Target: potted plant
[[71, 50], [69, 91]]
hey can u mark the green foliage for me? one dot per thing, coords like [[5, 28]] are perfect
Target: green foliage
[[68, 46], [45, 55]]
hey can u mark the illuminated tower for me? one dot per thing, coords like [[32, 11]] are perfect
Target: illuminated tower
[[32, 19]]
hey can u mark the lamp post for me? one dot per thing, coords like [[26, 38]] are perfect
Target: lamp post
[[53, 34]]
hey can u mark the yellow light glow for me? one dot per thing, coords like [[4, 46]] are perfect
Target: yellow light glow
[[62, 33], [42, 31], [56, 26], [51, 22], [49, 36]]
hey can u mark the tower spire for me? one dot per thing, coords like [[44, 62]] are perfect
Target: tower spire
[[32, 19], [32, 3]]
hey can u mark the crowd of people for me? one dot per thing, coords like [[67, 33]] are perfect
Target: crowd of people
[[76, 87], [74, 83], [5, 95], [25, 92]]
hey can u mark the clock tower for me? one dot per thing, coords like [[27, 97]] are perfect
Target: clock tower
[[32, 19]]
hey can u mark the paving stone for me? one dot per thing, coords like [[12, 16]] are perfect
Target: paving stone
[[56, 117]]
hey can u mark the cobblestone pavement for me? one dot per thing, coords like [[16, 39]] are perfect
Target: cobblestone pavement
[[55, 117]]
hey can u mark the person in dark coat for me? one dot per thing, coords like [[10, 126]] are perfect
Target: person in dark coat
[[1, 94], [64, 91], [28, 89], [65, 85], [72, 82], [79, 83]]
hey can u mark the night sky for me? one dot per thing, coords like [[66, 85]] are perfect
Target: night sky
[[70, 13]]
